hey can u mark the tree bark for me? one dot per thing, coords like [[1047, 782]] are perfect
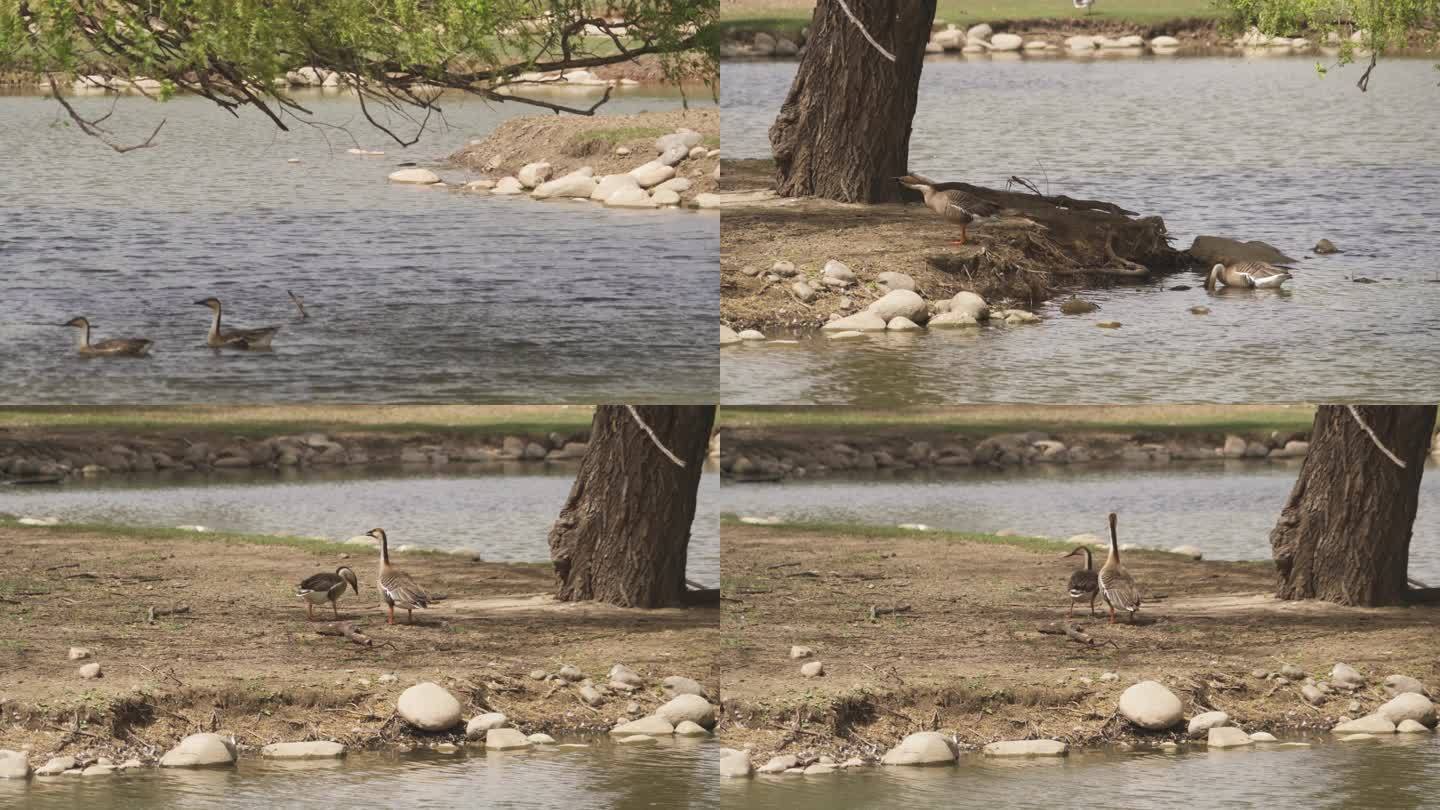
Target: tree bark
[[1344, 534], [623, 534], [843, 132]]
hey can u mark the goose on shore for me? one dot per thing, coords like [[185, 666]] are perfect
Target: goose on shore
[[1084, 582], [1116, 584], [397, 588], [114, 347], [321, 588], [235, 338], [1253, 275], [954, 204]]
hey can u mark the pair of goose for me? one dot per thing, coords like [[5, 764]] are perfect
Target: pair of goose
[[397, 588], [139, 347], [1112, 581]]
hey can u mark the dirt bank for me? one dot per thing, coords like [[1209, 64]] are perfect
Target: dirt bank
[[569, 142], [245, 661], [1008, 260], [968, 657]]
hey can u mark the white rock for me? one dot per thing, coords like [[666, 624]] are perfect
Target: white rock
[[611, 183], [814, 669], [1027, 748], [971, 304], [429, 707], [1150, 705], [899, 304], [318, 749], [752, 334], [1408, 706], [1080, 43], [734, 764], [533, 174], [680, 685], [505, 739], [1204, 722], [652, 174], [77, 653], [645, 725], [688, 139], [418, 176], [902, 324], [796, 652], [1188, 551], [629, 197], [14, 764], [98, 770], [728, 337], [580, 183], [1407, 726], [838, 271], [1130, 41], [686, 728], [626, 675], [1263, 737], [780, 764], [891, 280], [675, 184], [1369, 724], [952, 319], [1346, 676], [664, 196], [921, 748], [860, 322], [507, 185], [979, 31], [199, 749], [541, 739], [1400, 684], [55, 766], [90, 671], [481, 723], [1227, 737], [848, 334], [694, 708], [1006, 42], [637, 739], [1163, 41]]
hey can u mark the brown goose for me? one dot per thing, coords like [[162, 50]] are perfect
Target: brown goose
[[1116, 584], [321, 588], [396, 586], [955, 205], [1084, 582], [1254, 275], [115, 347], [235, 338]]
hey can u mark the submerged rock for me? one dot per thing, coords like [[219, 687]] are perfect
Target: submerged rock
[[1027, 748], [645, 725], [780, 764], [422, 177], [733, 763], [199, 750], [859, 322], [1369, 724], [505, 739], [55, 766], [921, 748], [1220, 250], [14, 764], [316, 749], [1227, 737]]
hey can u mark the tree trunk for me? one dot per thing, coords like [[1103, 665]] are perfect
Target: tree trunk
[[1344, 535], [624, 531], [844, 130]]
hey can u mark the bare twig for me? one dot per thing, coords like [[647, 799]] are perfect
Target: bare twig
[[92, 127], [347, 630]]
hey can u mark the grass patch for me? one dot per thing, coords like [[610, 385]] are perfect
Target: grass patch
[[790, 17], [269, 420], [983, 420]]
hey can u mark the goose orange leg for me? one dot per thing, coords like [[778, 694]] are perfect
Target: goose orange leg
[[1112, 614], [392, 614], [409, 616], [310, 609], [334, 610], [961, 240]]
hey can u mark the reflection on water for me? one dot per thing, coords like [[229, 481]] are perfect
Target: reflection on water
[[1396, 773], [1255, 149], [679, 773], [413, 293], [502, 511], [1226, 509]]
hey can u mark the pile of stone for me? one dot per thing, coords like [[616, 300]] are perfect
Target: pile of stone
[[1255, 38]]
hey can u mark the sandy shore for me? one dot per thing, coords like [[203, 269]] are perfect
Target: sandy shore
[[244, 660], [977, 653]]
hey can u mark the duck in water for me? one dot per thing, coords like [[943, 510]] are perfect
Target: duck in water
[[114, 347], [235, 338]]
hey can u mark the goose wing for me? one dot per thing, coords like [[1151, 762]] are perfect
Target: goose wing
[[134, 346], [969, 204], [1084, 583], [402, 590], [318, 583], [249, 338], [1119, 589], [1257, 270]]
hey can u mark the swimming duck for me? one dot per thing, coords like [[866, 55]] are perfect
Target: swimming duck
[[1116, 584], [1255, 275], [1084, 582], [954, 204], [114, 347], [321, 588], [235, 338], [396, 586]]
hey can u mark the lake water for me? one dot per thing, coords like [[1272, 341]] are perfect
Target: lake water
[[1399, 773], [1226, 509], [502, 512], [413, 293], [680, 773], [1249, 148]]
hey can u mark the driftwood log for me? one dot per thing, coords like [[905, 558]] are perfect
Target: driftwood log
[[347, 630], [156, 613]]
